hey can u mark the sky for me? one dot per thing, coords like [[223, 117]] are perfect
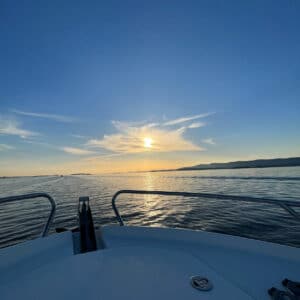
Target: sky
[[117, 86]]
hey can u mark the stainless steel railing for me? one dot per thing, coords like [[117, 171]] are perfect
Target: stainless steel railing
[[285, 204], [32, 196]]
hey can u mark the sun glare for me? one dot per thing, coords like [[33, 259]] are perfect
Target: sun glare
[[147, 142]]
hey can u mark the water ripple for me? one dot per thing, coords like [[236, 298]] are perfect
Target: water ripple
[[23, 221]]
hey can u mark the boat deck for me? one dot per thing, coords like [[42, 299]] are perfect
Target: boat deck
[[146, 263]]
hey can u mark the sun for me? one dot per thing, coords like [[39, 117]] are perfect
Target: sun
[[147, 142]]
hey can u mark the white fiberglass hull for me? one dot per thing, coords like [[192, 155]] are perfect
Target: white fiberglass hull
[[146, 263]]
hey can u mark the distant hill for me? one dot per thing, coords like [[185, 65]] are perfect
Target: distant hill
[[258, 163], [86, 174]]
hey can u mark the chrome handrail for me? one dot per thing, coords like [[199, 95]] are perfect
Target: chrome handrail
[[32, 196], [285, 204]]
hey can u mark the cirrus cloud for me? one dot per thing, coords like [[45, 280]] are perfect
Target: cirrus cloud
[[186, 119], [13, 127], [77, 151], [54, 117], [4, 147], [130, 136], [209, 141]]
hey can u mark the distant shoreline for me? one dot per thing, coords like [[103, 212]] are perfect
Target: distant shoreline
[[82, 174], [249, 164]]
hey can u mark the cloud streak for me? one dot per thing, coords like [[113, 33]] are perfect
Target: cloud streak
[[186, 119], [66, 149], [77, 151], [12, 127], [130, 136], [79, 136], [4, 147], [54, 117], [196, 125], [209, 141]]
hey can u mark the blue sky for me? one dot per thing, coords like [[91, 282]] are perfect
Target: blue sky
[[83, 83]]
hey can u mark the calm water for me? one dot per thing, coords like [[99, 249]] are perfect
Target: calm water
[[22, 221]]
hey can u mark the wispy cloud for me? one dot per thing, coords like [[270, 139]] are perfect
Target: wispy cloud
[[13, 127], [103, 156], [186, 119], [196, 125], [54, 117], [4, 147], [209, 141], [79, 136], [130, 136], [77, 151], [66, 149]]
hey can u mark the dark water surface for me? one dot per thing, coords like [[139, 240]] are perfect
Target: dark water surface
[[24, 220]]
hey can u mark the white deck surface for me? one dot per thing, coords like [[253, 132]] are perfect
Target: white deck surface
[[146, 263]]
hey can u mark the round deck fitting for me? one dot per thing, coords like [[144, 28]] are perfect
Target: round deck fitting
[[201, 283]]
